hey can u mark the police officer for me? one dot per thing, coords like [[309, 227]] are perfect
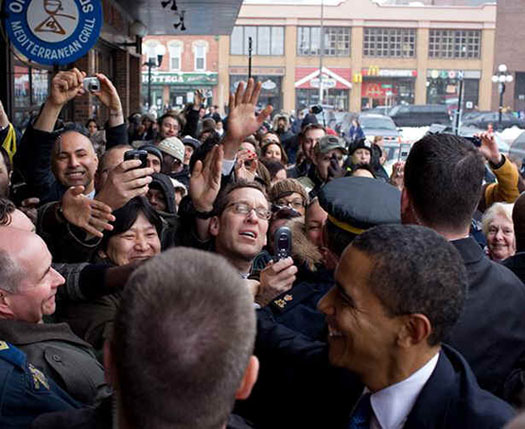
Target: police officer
[[353, 204], [25, 392]]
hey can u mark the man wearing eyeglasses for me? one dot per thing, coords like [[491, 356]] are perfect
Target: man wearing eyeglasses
[[239, 227]]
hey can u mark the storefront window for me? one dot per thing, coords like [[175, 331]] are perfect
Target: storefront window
[[40, 86], [337, 99], [266, 40], [271, 92], [446, 91], [336, 41], [22, 87], [387, 92], [31, 87]]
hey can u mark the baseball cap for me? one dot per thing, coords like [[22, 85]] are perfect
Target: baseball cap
[[328, 143]]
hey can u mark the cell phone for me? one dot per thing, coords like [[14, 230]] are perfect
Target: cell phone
[[404, 149], [475, 140], [91, 84], [137, 154], [21, 192], [282, 243]]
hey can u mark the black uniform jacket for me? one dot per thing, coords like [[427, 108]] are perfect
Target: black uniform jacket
[[490, 333], [61, 355]]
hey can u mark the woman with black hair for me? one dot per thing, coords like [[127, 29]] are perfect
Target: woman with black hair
[[135, 238]]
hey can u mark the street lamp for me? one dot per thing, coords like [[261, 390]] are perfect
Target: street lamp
[[501, 77], [151, 63]]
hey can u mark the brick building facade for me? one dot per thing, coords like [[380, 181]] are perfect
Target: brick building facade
[[188, 63]]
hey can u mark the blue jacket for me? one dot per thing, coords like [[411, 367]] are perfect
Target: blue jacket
[[25, 392]]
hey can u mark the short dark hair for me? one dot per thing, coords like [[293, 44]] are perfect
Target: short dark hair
[[126, 216], [337, 239], [178, 118], [223, 199], [102, 160], [68, 128], [443, 177], [309, 127], [416, 270], [272, 166], [366, 167], [182, 340], [6, 208]]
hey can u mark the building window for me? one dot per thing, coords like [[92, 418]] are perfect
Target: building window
[[175, 51], [266, 40], [390, 42], [336, 41], [199, 51], [454, 44]]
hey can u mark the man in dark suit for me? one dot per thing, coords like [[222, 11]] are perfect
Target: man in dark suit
[[399, 290], [443, 184]]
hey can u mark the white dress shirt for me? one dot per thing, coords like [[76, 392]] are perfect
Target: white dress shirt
[[393, 404]]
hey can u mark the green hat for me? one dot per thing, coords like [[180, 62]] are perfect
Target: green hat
[[328, 143]]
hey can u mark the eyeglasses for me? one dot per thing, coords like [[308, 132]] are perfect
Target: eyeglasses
[[296, 204], [245, 209]]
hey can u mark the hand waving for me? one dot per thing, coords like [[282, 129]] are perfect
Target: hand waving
[[205, 181], [242, 120]]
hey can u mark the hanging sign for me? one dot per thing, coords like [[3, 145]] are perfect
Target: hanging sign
[[53, 31]]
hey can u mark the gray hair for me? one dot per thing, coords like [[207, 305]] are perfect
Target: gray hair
[[182, 340], [10, 273], [503, 209]]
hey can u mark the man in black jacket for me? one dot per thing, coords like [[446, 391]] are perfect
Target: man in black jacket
[[443, 178], [52, 161]]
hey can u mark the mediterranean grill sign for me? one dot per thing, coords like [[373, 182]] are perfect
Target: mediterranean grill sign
[[53, 32]]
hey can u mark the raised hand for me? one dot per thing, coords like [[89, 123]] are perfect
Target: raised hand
[[398, 175], [125, 182], [489, 147], [205, 180], [91, 215], [242, 120], [65, 86], [108, 94], [246, 165]]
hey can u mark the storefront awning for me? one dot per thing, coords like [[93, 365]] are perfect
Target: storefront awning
[[308, 78]]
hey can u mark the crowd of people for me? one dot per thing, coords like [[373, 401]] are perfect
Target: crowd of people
[[143, 282]]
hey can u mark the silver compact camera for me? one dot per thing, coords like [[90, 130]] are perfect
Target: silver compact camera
[[91, 84]]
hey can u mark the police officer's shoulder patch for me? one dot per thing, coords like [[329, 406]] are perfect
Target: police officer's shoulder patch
[[12, 354], [39, 379]]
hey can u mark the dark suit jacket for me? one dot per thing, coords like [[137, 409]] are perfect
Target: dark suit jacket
[[490, 333], [516, 264], [452, 398]]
